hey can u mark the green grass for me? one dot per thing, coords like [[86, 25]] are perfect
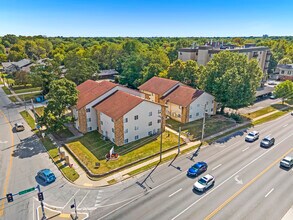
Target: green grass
[[264, 111], [12, 99], [28, 118], [23, 89], [111, 182], [214, 124], [64, 133], [269, 118], [289, 101], [69, 172], [6, 90], [91, 148], [27, 97], [40, 111]]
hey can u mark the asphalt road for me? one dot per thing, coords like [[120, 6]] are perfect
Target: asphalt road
[[249, 183]]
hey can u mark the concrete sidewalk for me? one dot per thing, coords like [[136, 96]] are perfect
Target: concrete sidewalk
[[289, 214]]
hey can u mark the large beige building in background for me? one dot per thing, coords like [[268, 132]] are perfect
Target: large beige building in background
[[203, 54]]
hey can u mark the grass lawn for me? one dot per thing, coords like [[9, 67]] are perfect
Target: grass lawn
[[27, 97], [70, 173], [40, 110], [6, 90], [64, 133], [289, 101], [22, 89], [272, 117], [12, 99], [264, 111], [91, 148], [28, 118], [214, 124]]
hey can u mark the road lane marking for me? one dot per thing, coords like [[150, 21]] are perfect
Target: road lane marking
[[285, 125], [212, 190], [212, 214], [175, 192], [71, 198], [9, 166], [217, 167], [269, 192], [83, 199], [245, 149]]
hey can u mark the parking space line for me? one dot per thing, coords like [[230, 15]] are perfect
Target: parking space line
[[217, 167], [269, 192], [175, 192], [245, 149]]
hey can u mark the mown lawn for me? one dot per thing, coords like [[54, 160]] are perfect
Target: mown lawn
[[28, 118], [23, 89], [264, 111], [70, 173], [213, 125], [92, 148], [40, 110], [6, 90], [12, 99], [27, 97]]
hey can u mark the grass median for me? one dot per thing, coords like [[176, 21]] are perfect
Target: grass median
[[29, 119]]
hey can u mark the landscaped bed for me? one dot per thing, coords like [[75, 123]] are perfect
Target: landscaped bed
[[213, 125], [92, 148], [40, 111]]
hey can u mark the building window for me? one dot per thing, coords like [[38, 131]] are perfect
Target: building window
[[89, 119], [126, 141], [190, 116], [159, 121], [150, 123], [135, 128], [159, 111], [197, 105], [150, 133], [88, 110], [112, 120], [178, 115], [136, 137], [126, 120], [180, 53], [126, 131], [211, 109], [135, 117], [150, 113], [113, 130], [89, 128], [113, 139], [180, 107], [101, 122], [197, 114]]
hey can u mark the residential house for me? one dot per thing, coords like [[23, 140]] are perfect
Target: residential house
[[183, 103], [107, 74], [11, 67], [284, 72], [118, 113]]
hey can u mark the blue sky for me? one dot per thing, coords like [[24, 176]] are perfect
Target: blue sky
[[147, 18]]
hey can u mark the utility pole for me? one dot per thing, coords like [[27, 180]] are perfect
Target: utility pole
[[76, 217], [161, 140], [42, 205], [203, 123], [36, 119], [179, 133]]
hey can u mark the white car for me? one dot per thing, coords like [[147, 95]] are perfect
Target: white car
[[252, 136], [204, 183], [287, 162]]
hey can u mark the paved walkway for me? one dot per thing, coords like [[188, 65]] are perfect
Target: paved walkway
[[20, 94], [289, 214]]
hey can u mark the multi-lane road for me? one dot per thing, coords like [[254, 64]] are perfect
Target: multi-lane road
[[249, 182]]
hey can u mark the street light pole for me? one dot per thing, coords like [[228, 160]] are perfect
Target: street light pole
[[203, 123], [42, 204], [179, 133], [161, 138]]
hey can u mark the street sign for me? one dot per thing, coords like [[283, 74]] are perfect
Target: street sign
[[27, 191]]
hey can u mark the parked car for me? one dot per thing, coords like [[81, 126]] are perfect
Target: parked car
[[273, 97], [287, 162], [19, 126], [252, 136], [272, 83], [197, 169], [267, 142], [46, 175], [204, 183]]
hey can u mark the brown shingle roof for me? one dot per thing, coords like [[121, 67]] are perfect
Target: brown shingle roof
[[158, 85], [183, 95], [118, 104], [91, 90]]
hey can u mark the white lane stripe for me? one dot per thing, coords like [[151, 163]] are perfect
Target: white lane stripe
[[83, 199], [285, 125], [175, 192], [70, 199], [245, 149], [217, 167], [269, 192]]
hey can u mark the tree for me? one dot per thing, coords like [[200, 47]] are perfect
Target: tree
[[232, 79], [284, 90], [10, 38], [63, 94], [285, 60], [21, 78]]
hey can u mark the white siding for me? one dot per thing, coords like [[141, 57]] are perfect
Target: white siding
[[75, 115], [106, 126], [174, 111], [196, 108], [142, 110]]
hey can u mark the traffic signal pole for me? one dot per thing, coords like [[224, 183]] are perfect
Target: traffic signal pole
[[42, 205]]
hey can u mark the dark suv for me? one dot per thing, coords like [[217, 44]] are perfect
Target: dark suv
[[267, 142]]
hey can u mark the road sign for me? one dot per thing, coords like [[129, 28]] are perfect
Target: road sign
[[27, 191], [9, 197]]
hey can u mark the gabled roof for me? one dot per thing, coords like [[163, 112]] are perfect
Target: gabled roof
[[158, 85], [109, 72], [118, 104], [91, 90], [22, 63], [183, 95]]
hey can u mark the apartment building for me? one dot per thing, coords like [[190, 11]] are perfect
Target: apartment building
[[203, 54], [120, 114], [183, 103], [284, 72]]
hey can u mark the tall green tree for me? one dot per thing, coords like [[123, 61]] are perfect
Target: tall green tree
[[62, 95], [285, 60], [232, 79], [284, 90]]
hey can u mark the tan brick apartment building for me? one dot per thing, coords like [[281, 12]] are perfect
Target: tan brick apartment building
[[284, 72], [183, 103]]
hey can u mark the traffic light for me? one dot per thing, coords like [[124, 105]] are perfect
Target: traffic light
[[40, 196], [9, 197]]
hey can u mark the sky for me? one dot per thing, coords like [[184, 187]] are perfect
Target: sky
[[147, 18]]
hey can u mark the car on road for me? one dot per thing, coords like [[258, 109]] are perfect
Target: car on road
[[252, 136], [204, 183], [292, 113], [19, 126], [46, 175], [197, 169], [287, 162], [267, 142]]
